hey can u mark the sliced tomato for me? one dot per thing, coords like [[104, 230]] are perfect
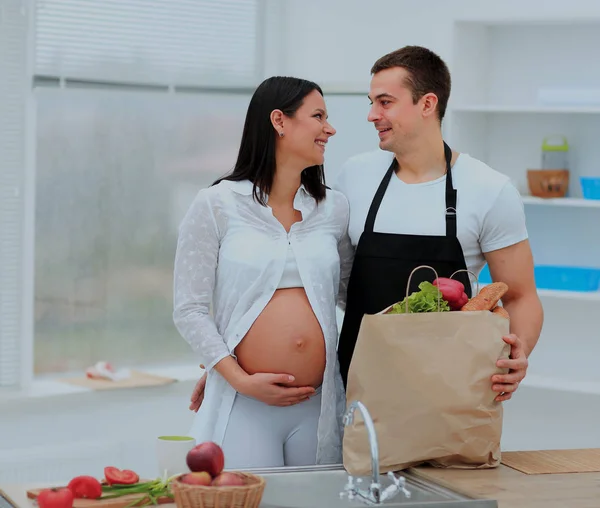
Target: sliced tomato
[[116, 476], [86, 487]]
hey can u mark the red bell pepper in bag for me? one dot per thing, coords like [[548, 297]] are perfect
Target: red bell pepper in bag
[[463, 301], [452, 290]]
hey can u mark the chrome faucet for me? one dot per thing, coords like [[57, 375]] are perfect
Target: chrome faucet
[[374, 496]]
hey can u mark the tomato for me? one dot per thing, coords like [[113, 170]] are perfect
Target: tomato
[[85, 487], [55, 498], [114, 476]]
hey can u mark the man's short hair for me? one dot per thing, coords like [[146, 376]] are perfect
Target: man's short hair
[[428, 73]]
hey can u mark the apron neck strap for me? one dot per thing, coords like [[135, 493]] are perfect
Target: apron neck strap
[[450, 195], [450, 209]]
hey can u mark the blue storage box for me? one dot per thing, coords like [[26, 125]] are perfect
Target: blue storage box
[[590, 187], [484, 276], [562, 278]]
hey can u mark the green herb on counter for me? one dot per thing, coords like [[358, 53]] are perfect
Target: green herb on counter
[[150, 491]]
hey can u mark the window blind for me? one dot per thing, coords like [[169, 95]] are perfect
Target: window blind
[[14, 90], [168, 42]]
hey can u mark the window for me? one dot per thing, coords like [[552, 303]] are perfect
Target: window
[[137, 105], [117, 168], [13, 164], [169, 42], [116, 171]]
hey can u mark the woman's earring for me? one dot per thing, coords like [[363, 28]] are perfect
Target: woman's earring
[[281, 134]]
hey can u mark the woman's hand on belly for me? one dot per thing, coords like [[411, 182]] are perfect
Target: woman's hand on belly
[[271, 389], [288, 397]]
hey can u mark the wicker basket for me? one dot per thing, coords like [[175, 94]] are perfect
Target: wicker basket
[[548, 183], [200, 496]]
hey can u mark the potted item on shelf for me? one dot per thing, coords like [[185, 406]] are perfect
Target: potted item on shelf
[[552, 180], [548, 183], [555, 155]]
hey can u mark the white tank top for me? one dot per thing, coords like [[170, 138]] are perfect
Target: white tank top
[[290, 277]]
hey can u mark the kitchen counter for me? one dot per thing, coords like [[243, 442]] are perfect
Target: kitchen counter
[[513, 489]]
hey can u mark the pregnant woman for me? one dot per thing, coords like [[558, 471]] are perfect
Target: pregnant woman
[[262, 259]]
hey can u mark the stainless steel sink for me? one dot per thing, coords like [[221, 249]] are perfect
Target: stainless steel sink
[[320, 487], [331, 487]]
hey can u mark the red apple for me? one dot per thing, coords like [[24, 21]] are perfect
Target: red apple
[[207, 457], [202, 478], [228, 479]]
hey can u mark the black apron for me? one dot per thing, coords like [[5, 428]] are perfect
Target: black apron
[[383, 263]]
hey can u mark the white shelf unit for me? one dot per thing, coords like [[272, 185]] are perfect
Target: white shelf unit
[[571, 295], [527, 109], [495, 115], [577, 202], [498, 69], [574, 296]]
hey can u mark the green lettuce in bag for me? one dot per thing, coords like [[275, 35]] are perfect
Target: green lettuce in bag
[[425, 300]]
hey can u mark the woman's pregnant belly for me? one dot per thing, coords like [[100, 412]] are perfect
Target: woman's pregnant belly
[[286, 338]]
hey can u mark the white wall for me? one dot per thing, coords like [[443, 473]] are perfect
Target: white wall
[[347, 36]]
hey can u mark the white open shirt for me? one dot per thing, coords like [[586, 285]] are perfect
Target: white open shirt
[[230, 257]]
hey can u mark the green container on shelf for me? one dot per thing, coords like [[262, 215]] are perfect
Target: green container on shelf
[[555, 152]]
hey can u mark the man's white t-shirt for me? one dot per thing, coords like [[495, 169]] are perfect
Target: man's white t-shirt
[[490, 212]]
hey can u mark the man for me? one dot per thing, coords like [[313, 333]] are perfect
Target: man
[[416, 202]]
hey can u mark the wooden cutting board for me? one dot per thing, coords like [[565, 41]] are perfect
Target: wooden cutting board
[[118, 502], [583, 460], [136, 380]]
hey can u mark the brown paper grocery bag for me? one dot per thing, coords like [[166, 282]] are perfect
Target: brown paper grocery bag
[[425, 379]]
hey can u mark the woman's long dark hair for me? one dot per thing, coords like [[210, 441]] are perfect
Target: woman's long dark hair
[[256, 158]]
